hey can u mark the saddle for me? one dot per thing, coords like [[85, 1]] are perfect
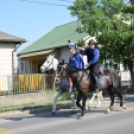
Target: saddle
[[99, 74]]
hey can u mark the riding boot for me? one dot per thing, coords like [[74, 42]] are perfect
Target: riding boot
[[71, 87], [97, 86]]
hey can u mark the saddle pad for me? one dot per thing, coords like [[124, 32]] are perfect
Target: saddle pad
[[99, 73], [70, 79]]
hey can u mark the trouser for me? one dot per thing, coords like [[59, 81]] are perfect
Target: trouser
[[94, 74], [95, 80]]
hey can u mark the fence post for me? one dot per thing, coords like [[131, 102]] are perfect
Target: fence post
[[44, 81], [53, 82], [8, 85], [29, 82]]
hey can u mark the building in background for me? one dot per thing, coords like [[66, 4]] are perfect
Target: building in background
[[8, 56], [56, 41]]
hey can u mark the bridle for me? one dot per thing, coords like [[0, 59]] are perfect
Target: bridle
[[47, 66]]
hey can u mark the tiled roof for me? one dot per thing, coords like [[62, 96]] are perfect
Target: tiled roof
[[57, 37]]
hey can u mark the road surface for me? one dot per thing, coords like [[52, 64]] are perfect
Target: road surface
[[95, 121]]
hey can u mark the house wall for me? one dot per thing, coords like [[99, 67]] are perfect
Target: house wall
[[6, 50], [64, 54]]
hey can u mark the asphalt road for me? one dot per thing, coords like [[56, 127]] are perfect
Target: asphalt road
[[95, 121]]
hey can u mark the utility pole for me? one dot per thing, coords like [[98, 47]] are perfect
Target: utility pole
[[133, 77]]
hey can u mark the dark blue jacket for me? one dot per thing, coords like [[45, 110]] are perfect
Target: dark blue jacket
[[77, 61], [95, 57]]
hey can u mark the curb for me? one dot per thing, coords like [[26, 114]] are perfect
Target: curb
[[45, 110]]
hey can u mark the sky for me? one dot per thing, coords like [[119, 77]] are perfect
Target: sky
[[31, 20]]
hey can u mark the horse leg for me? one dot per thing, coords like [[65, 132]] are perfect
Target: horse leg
[[72, 96], [99, 101], [117, 88], [83, 104], [121, 98], [55, 100], [118, 91], [111, 94], [73, 101], [78, 101], [91, 100]]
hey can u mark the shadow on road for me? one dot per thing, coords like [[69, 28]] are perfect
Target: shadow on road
[[66, 113]]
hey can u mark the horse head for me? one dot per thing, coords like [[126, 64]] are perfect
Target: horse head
[[50, 63]]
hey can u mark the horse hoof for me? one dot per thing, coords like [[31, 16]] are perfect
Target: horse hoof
[[82, 115], [88, 108], [78, 117], [53, 112], [97, 106], [108, 111], [124, 106], [111, 109]]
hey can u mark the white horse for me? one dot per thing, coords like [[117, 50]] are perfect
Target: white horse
[[52, 63]]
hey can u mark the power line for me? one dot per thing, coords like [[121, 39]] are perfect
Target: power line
[[45, 3], [66, 0]]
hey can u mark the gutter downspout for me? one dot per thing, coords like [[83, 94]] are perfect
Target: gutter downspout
[[13, 57]]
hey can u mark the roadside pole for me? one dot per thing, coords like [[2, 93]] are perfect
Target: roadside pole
[[133, 77]]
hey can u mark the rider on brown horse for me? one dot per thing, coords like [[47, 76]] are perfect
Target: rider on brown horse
[[93, 61]]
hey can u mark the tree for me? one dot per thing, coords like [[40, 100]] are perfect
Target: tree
[[108, 20]]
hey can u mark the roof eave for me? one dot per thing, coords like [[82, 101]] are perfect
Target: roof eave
[[14, 41], [43, 50]]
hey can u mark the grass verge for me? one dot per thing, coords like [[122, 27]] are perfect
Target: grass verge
[[30, 106]]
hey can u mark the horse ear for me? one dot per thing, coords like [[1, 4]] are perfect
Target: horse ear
[[61, 61]]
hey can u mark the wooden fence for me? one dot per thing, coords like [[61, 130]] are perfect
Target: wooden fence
[[26, 83]]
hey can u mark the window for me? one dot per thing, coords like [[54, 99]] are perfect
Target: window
[[22, 66]]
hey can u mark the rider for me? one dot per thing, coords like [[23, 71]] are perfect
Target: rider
[[74, 60], [93, 61]]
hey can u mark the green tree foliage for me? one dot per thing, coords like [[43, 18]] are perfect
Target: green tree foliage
[[108, 21], [81, 43]]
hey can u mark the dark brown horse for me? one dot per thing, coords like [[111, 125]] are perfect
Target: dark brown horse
[[82, 80]]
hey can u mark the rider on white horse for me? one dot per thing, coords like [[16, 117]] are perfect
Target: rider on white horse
[[74, 60]]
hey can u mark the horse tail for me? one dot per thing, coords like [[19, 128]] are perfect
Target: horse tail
[[116, 79]]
